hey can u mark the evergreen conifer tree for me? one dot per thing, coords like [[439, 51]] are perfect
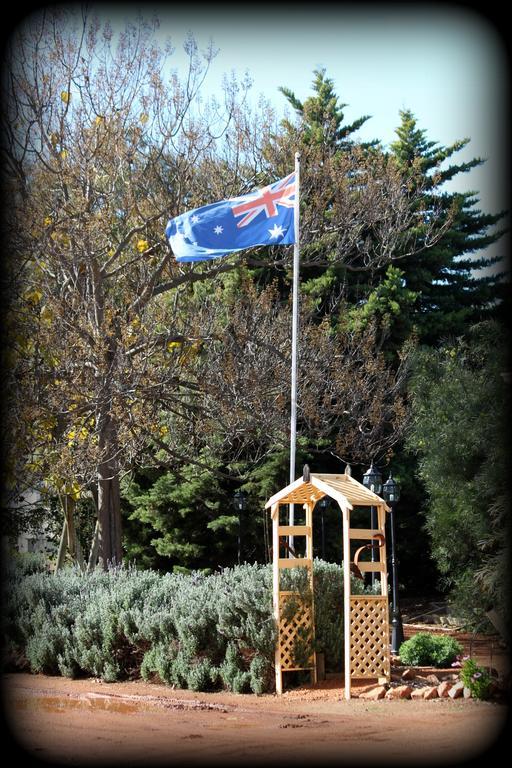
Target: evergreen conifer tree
[[453, 277], [186, 522], [453, 280], [322, 118], [321, 131]]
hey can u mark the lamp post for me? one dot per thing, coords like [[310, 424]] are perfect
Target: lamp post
[[372, 479], [239, 503], [391, 494]]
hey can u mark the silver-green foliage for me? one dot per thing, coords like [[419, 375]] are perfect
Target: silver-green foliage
[[194, 630]]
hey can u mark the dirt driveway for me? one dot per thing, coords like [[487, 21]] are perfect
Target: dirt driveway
[[58, 721]]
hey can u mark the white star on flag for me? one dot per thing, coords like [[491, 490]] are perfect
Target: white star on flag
[[195, 218], [276, 231], [218, 229]]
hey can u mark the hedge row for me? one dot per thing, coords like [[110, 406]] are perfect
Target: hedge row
[[202, 632]]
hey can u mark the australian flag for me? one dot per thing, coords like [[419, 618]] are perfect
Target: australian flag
[[262, 217]]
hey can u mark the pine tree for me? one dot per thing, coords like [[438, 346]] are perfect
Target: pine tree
[[452, 277], [322, 137], [446, 267], [186, 522], [322, 118]]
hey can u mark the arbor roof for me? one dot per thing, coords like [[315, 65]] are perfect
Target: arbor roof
[[342, 488]]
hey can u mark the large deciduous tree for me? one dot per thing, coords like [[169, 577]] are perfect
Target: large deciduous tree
[[100, 146], [117, 353]]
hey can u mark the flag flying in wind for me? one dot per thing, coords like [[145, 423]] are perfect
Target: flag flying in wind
[[262, 217]]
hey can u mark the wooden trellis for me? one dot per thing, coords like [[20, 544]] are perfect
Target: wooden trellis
[[366, 617], [369, 635], [295, 628], [299, 626]]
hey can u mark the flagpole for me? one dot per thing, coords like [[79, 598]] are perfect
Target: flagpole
[[295, 325]]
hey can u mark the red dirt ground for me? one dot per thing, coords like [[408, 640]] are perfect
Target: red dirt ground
[[58, 721]]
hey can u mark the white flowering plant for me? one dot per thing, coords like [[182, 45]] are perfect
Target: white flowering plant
[[474, 677]]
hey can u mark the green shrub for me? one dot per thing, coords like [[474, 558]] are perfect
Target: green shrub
[[261, 671], [328, 594], [159, 661], [429, 650], [189, 630], [231, 670], [202, 676], [44, 647], [20, 564]]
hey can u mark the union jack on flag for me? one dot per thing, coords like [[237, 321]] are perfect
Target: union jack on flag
[[262, 217]]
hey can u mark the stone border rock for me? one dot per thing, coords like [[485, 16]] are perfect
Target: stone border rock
[[445, 689], [421, 683]]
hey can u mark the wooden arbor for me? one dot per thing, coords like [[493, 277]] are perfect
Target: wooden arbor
[[366, 617]]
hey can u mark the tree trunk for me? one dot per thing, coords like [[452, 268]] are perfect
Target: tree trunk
[[93, 554], [69, 542], [109, 518], [61, 554], [109, 501]]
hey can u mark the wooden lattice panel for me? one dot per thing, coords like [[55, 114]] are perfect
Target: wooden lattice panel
[[298, 627], [369, 636]]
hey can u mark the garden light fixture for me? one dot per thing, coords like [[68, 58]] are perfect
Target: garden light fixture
[[391, 494]]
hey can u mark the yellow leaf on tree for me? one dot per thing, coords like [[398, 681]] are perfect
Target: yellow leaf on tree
[[46, 315], [33, 466], [33, 296], [73, 490], [65, 96], [142, 245]]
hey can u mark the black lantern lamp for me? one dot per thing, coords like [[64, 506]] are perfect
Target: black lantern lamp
[[240, 504], [239, 501], [372, 479], [391, 490], [391, 494]]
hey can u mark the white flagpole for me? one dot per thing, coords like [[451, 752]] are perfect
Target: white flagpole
[[295, 325]]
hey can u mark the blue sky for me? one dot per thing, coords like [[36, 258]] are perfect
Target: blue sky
[[445, 62]]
